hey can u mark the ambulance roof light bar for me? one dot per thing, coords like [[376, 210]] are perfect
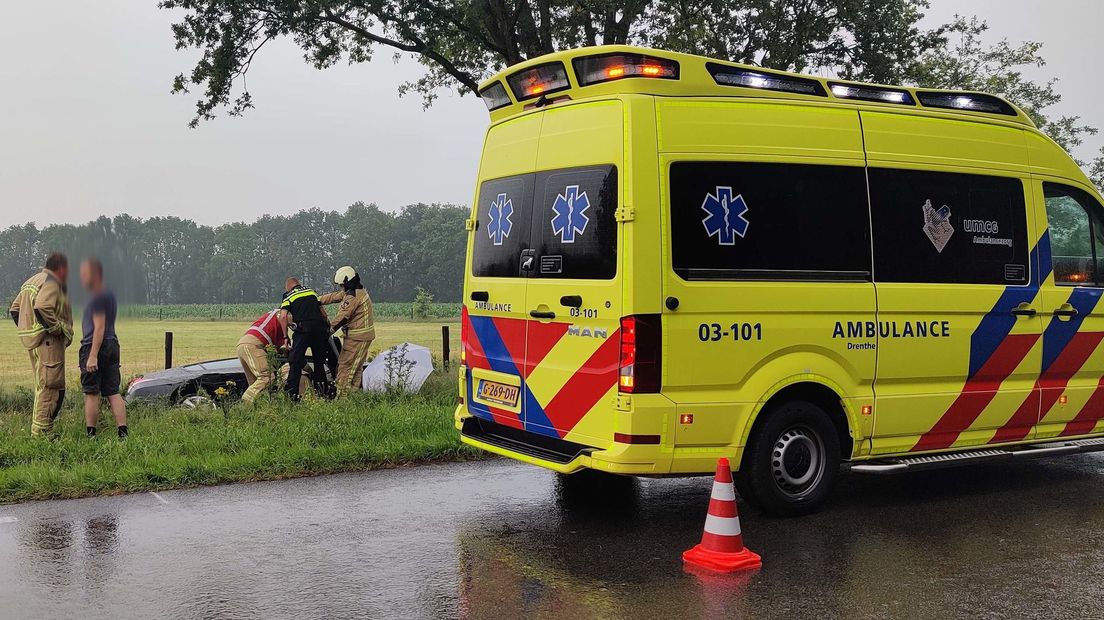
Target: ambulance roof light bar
[[495, 96], [538, 81], [864, 92], [726, 75], [616, 66], [971, 102]]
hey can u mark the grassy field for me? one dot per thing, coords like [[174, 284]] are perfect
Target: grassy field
[[143, 344], [175, 448]]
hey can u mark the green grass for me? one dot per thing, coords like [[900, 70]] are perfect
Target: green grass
[[174, 448], [143, 345]]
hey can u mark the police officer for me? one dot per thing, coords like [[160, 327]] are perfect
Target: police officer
[[44, 318], [355, 318], [311, 329]]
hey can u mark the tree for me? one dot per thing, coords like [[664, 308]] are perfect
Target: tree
[[965, 63], [460, 42], [1096, 171]]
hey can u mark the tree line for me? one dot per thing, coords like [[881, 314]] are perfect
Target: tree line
[[171, 260]]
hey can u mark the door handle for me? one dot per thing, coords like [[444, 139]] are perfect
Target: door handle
[[1024, 310], [572, 301], [1066, 312], [480, 296], [542, 314]]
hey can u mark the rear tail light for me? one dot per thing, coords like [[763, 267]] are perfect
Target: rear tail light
[[606, 67], [640, 354], [464, 334]]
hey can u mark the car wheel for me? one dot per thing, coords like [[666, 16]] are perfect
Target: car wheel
[[197, 401], [791, 460]]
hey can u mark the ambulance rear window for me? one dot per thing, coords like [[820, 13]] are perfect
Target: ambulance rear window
[[554, 224], [504, 215]]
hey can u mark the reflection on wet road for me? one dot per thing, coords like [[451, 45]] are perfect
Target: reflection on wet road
[[500, 540]]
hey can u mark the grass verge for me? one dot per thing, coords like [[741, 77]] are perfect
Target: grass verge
[[174, 448]]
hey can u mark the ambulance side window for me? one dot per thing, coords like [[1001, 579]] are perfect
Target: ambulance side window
[[1076, 235], [948, 228], [733, 221], [504, 217]]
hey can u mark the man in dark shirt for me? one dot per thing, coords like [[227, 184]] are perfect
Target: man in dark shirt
[[99, 351], [311, 330]]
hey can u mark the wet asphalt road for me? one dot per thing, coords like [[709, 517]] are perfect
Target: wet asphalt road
[[498, 539]]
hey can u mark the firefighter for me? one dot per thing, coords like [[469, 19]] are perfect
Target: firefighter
[[355, 319], [311, 329], [44, 318], [270, 330]]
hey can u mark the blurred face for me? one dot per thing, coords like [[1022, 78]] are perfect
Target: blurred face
[[62, 273], [88, 276]]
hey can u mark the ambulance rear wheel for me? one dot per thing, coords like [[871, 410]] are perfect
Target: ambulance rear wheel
[[791, 460]]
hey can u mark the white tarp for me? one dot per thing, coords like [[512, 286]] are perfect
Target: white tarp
[[411, 368]]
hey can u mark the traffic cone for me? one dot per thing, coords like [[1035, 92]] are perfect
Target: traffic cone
[[722, 546]]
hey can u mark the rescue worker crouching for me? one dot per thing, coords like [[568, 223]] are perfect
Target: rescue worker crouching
[[356, 319], [311, 330], [42, 314], [270, 330]]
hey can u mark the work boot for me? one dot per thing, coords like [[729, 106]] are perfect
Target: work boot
[[123, 432], [91, 431]]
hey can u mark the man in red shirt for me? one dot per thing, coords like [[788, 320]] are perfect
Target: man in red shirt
[[270, 330]]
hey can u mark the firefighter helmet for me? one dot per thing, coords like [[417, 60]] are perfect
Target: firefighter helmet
[[344, 274]]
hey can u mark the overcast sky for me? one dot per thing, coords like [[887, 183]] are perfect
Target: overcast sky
[[88, 127]]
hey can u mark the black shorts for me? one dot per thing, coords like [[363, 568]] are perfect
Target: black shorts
[[106, 380]]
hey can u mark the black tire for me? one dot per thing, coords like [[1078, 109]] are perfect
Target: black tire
[[791, 460]]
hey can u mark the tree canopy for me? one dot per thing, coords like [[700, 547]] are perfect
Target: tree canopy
[[460, 42]]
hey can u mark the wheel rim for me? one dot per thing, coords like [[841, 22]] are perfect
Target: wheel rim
[[797, 461], [196, 402]]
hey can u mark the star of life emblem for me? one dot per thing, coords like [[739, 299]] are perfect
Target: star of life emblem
[[725, 216], [500, 219], [570, 216]]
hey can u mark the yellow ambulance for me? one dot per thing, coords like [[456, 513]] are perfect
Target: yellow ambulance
[[673, 259]]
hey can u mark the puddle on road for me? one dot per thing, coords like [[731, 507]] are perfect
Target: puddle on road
[[497, 539]]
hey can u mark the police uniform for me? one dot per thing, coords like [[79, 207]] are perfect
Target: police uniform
[[45, 322], [357, 320], [312, 331]]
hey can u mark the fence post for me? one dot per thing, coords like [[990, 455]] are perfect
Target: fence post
[[168, 349], [445, 352]]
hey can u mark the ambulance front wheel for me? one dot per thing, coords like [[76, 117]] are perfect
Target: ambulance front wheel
[[791, 460]]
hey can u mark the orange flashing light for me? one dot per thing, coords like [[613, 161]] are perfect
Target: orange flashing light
[[650, 70], [1063, 399], [686, 418], [867, 409], [615, 72]]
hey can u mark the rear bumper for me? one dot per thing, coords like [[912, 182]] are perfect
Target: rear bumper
[[558, 455]]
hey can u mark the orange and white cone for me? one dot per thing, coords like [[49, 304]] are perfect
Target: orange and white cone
[[722, 546]]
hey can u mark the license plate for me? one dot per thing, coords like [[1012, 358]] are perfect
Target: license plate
[[498, 393]]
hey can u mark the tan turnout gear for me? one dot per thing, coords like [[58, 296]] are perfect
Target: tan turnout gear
[[357, 320], [45, 322], [254, 361]]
